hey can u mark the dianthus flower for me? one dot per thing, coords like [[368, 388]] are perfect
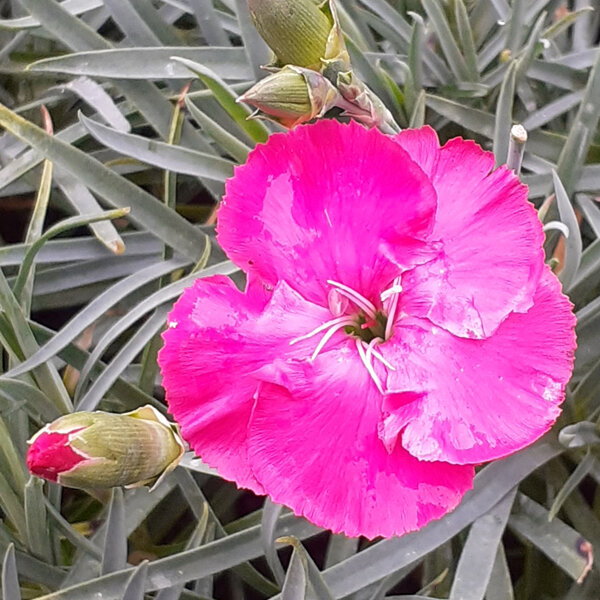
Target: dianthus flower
[[398, 326]]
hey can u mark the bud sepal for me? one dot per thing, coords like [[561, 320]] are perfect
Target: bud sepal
[[297, 31], [89, 450], [291, 96], [362, 104]]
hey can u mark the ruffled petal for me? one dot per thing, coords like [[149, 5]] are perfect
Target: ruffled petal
[[217, 339], [328, 201], [471, 401], [492, 255], [314, 446]]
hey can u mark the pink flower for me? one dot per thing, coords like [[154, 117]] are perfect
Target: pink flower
[[398, 327]]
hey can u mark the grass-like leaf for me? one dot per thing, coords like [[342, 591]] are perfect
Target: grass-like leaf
[[114, 556], [36, 520], [573, 154], [557, 540], [227, 99], [160, 154], [294, 586], [10, 581], [228, 142], [504, 110], [480, 550], [147, 63], [573, 243], [451, 50], [270, 515], [120, 192]]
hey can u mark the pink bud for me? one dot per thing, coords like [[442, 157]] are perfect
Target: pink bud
[[103, 450], [50, 455]]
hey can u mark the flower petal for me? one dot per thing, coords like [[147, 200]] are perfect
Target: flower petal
[[314, 447], [217, 339], [327, 201], [472, 401], [50, 454], [492, 255]]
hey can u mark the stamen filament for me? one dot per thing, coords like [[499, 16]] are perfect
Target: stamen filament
[[394, 294], [366, 305], [382, 359], [368, 365], [328, 336], [345, 320], [396, 288]]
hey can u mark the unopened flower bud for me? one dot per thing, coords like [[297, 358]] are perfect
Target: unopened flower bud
[[103, 450], [297, 31], [292, 96], [362, 104]]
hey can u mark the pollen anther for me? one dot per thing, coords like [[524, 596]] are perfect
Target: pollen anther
[[366, 305]]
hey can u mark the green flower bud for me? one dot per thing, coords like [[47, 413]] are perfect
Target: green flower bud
[[360, 103], [292, 96], [102, 450], [297, 31]]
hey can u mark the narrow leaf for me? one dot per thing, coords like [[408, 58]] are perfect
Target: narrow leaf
[[150, 303], [145, 209], [314, 576], [229, 143], [294, 586], [36, 520], [270, 516], [257, 51], [573, 243], [84, 202], [10, 581], [493, 482], [227, 99], [134, 590], [480, 550], [46, 375], [147, 63], [559, 542], [572, 157], [115, 542], [466, 39], [74, 7], [577, 476], [93, 94], [448, 43], [500, 583], [122, 359], [61, 227], [160, 154], [503, 120], [93, 311]]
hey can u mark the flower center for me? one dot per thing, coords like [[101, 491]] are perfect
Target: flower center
[[360, 319]]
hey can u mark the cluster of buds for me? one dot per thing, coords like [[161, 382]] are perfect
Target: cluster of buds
[[311, 68], [94, 450]]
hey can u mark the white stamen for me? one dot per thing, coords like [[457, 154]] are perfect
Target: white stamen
[[394, 296], [366, 305], [371, 352], [368, 365], [328, 336], [382, 359], [345, 320], [395, 289], [337, 303], [327, 217]]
